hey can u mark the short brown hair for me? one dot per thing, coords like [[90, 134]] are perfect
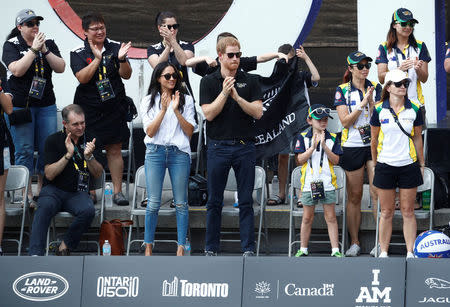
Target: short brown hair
[[71, 108], [223, 43]]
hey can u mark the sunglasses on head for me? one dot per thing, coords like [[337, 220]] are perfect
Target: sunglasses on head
[[400, 83], [32, 23], [234, 54], [173, 75], [319, 111], [407, 23], [361, 66], [174, 26]]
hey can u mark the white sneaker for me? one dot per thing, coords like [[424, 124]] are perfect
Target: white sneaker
[[410, 255], [353, 251], [383, 255], [372, 252]]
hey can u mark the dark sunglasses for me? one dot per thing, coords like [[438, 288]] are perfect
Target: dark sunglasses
[[400, 83], [361, 66], [174, 26], [173, 75], [407, 23], [32, 23], [234, 54]]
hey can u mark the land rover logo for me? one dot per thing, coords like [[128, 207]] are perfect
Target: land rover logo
[[40, 286]]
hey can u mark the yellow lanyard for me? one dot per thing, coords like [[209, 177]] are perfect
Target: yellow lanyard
[[36, 68], [100, 76]]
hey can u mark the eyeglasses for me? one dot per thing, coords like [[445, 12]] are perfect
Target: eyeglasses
[[361, 66], [234, 54], [101, 29], [173, 75], [319, 111], [407, 23], [31, 23], [174, 26], [405, 83]]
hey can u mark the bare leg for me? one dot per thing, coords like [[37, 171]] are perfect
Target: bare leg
[[180, 250], [282, 174], [355, 181], [330, 218], [372, 188], [387, 203], [305, 229], [62, 246], [407, 201], [148, 249], [115, 164]]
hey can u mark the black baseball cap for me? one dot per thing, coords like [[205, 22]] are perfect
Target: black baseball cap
[[403, 15], [319, 111], [357, 56]]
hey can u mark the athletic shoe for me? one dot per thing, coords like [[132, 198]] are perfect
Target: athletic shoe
[[120, 200], [353, 251], [372, 252], [210, 254], [383, 255], [301, 253], [248, 254], [337, 255], [410, 255]]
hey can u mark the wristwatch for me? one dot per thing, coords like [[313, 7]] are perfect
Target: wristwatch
[[90, 158]]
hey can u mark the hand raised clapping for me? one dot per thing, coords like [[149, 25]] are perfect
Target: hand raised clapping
[[89, 149], [123, 51], [96, 50]]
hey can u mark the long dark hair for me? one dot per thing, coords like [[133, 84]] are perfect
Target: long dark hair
[[14, 32], [155, 86], [392, 39], [347, 75]]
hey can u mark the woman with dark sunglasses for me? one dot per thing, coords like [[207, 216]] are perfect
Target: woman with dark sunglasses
[[403, 51], [168, 122], [31, 59], [354, 101], [397, 151], [171, 49]]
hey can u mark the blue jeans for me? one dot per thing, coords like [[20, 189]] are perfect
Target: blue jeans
[[27, 137], [53, 200], [221, 156], [157, 159]]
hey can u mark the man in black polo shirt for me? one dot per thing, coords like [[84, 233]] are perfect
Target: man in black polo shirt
[[70, 160], [230, 100]]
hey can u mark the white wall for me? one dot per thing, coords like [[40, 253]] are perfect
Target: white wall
[[374, 19]]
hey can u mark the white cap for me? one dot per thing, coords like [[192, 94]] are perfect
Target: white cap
[[395, 75]]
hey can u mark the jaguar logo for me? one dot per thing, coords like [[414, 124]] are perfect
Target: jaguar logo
[[437, 283]]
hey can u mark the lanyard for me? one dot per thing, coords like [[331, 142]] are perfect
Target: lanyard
[[80, 156], [396, 55], [36, 68], [366, 108], [321, 158], [102, 67]]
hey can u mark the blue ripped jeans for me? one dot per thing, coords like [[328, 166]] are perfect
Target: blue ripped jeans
[[157, 159]]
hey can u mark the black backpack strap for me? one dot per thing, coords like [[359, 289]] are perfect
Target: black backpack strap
[[398, 123]]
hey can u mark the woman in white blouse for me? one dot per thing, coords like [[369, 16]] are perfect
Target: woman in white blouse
[[168, 122]]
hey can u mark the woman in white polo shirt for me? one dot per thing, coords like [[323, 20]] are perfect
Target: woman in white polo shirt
[[397, 151], [354, 101], [168, 122]]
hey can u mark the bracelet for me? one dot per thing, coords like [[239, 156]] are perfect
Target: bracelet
[[359, 108], [123, 61], [90, 158], [46, 53], [35, 51], [65, 157]]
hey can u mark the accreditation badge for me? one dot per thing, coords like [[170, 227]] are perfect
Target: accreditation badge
[[105, 89], [83, 181], [317, 190], [37, 87], [364, 132]]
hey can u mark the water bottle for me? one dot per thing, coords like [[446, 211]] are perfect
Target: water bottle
[[108, 196], [426, 199], [236, 200], [187, 248], [275, 186], [106, 248]]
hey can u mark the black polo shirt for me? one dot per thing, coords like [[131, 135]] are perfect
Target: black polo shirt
[[14, 49], [54, 150], [246, 64], [232, 122], [159, 48], [87, 94]]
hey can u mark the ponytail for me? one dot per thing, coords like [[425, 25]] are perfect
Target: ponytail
[[14, 32], [347, 75]]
